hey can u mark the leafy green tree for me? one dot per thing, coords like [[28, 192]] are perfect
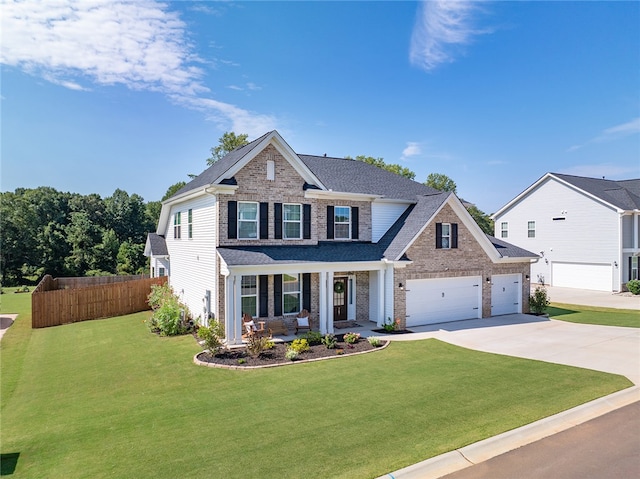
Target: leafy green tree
[[392, 167], [441, 182], [131, 259], [229, 141], [126, 215], [173, 189], [483, 219], [82, 236], [105, 254]]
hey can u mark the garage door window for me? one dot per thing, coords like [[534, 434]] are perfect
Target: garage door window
[[446, 235]]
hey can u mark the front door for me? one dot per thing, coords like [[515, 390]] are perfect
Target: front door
[[340, 299]]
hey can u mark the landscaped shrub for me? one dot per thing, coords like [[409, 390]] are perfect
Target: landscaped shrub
[[291, 354], [374, 341], [299, 345], [329, 341], [351, 338], [256, 345], [539, 300], [634, 286], [169, 316], [313, 337], [391, 325], [212, 336]]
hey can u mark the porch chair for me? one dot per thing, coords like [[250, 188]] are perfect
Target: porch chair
[[250, 328], [302, 321]]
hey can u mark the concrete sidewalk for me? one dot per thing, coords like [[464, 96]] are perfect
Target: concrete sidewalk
[[6, 320]]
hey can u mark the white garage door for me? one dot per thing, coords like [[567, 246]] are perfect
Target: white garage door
[[582, 276], [441, 300], [505, 294]]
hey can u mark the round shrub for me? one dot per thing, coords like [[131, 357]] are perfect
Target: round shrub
[[634, 286]]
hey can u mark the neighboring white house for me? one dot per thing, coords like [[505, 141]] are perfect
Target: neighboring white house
[[267, 232], [586, 230]]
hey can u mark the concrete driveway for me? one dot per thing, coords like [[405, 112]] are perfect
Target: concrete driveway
[[603, 348]]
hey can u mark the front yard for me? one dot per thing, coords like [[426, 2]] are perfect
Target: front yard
[[106, 398], [595, 315]]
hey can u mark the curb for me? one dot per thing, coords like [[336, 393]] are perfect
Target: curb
[[466, 456]]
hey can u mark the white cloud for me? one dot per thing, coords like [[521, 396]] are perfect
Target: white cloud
[[442, 27], [412, 149], [611, 134], [140, 44]]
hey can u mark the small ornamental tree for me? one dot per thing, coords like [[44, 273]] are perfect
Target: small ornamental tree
[[539, 300]]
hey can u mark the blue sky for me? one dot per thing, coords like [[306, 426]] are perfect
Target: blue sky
[[98, 95]]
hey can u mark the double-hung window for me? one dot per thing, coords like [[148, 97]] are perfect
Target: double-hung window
[[190, 223], [292, 221], [446, 236], [291, 293], [504, 229], [249, 295], [531, 229], [176, 225], [342, 222], [634, 267], [247, 220]]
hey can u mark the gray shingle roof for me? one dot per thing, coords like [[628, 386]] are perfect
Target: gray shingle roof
[[507, 250], [623, 194], [158, 245]]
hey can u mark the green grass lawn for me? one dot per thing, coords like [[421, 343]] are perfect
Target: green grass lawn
[[595, 315], [107, 398]]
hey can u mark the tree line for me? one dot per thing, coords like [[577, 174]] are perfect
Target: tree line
[[45, 231]]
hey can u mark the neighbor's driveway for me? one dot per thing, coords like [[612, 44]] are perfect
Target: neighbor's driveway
[[603, 348]]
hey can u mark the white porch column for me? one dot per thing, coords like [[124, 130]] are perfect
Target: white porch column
[[330, 302], [388, 292], [233, 310], [322, 314], [380, 298]]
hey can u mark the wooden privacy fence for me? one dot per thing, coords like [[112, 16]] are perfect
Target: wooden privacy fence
[[70, 300]]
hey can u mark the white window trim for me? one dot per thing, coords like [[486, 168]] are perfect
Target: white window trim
[[256, 295], [504, 229], [256, 221], [190, 224], [298, 292], [447, 236], [177, 227], [530, 229], [336, 223], [634, 267], [285, 221]]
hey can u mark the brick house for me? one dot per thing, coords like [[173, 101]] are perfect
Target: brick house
[[268, 232]]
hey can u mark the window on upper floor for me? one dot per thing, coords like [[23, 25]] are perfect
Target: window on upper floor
[[176, 225], [342, 222], [161, 271], [531, 229], [249, 295], [190, 224], [247, 220], [446, 235], [291, 293], [504, 229], [292, 221]]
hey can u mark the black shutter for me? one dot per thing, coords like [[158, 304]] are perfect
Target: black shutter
[[277, 222], [232, 220], [355, 228], [277, 295], [306, 291], [330, 220], [454, 235], [438, 235], [264, 220], [306, 221], [630, 266], [264, 295]]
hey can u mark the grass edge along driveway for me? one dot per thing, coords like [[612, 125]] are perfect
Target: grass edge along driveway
[[108, 399], [595, 315]]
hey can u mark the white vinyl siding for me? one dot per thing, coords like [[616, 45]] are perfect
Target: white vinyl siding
[[195, 260], [383, 216], [589, 232]]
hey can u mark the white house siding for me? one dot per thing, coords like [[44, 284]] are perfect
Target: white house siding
[[589, 233], [193, 261], [157, 264], [383, 216]]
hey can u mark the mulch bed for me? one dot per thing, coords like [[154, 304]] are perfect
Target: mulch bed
[[273, 357], [395, 331]]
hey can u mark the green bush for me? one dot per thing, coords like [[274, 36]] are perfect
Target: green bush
[[374, 341], [291, 355], [539, 300], [330, 341], [299, 345], [351, 338], [313, 337], [170, 316], [212, 336], [256, 345], [634, 286]]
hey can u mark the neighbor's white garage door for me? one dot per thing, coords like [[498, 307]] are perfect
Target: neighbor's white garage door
[[582, 276], [506, 294], [441, 300]]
